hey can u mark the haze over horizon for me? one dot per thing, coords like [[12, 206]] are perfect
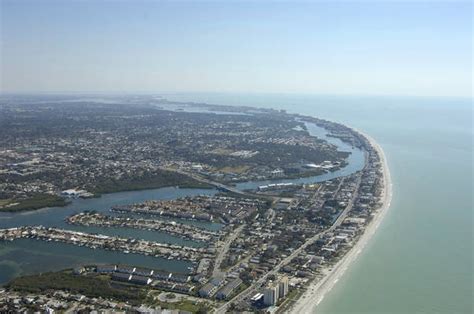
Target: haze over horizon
[[420, 49]]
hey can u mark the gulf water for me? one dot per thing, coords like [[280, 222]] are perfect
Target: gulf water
[[421, 258]]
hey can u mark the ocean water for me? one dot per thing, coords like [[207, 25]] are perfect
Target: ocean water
[[421, 258]]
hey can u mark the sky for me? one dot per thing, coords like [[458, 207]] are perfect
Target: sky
[[352, 47]]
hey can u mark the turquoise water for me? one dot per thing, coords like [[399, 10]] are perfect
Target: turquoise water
[[421, 258]]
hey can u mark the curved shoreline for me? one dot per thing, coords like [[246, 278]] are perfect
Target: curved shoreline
[[310, 299]]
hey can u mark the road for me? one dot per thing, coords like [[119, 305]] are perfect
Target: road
[[223, 251], [218, 185], [252, 289]]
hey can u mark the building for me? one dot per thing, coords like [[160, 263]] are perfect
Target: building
[[284, 203], [78, 270], [227, 290], [121, 277], [143, 271], [182, 288], [210, 288], [283, 287], [207, 290], [179, 278], [161, 275], [140, 280], [257, 298], [126, 269], [271, 294], [103, 269]]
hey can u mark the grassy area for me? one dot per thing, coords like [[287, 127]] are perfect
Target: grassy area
[[88, 286], [289, 300], [5, 202], [148, 181], [185, 305], [34, 202]]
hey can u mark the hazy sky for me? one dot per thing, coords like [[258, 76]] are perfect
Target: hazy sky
[[309, 47]]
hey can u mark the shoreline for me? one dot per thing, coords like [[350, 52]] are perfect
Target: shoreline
[[316, 291], [68, 201]]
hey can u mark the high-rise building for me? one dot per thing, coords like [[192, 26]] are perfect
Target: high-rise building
[[283, 287], [270, 294]]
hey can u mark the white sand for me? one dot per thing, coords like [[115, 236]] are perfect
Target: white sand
[[317, 290]]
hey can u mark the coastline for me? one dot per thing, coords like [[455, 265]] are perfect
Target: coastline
[[310, 299]]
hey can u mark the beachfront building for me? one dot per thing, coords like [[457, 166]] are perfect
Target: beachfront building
[[271, 294], [283, 287]]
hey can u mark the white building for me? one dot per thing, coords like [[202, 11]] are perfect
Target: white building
[[271, 294]]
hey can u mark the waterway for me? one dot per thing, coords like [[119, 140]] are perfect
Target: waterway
[[355, 162], [421, 258], [27, 256]]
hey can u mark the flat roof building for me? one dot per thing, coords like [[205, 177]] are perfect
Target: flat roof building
[[105, 268], [121, 277], [227, 290], [140, 280], [283, 287], [271, 294]]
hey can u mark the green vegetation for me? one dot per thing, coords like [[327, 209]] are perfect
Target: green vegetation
[[4, 202], [107, 185], [35, 202], [185, 305], [88, 286], [289, 300], [155, 180]]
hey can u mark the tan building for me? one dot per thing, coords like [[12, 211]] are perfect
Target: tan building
[[283, 287]]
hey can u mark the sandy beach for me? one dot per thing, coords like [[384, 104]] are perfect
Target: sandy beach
[[316, 291]]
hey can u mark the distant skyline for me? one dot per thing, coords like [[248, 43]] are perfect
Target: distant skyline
[[368, 48]]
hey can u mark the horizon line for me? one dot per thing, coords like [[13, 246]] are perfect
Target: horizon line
[[58, 93]]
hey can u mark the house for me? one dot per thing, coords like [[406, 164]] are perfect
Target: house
[[179, 278], [211, 287], [161, 275], [125, 269], [143, 271], [140, 280], [104, 269], [121, 277]]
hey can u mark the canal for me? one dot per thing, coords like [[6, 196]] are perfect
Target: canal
[[27, 256]]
